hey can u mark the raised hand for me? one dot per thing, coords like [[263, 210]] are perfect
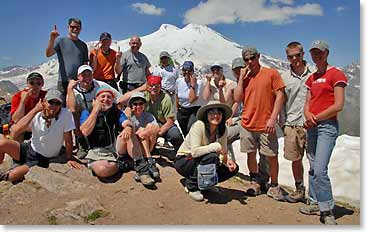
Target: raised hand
[[97, 106], [72, 84], [25, 94], [221, 83], [208, 77], [40, 105], [192, 80], [244, 72], [54, 34], [118, 53]]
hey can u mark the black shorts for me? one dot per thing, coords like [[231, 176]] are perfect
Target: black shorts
[[31, 158]]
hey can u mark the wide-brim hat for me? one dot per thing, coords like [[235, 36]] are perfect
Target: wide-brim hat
[[214, 104]]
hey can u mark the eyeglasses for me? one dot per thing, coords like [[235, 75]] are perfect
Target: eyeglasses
[[155, 86], [215, 69], [215, 111], [74, 27], [54, 103], [138, 103], [35, 83], [298, 55], [250, 58]]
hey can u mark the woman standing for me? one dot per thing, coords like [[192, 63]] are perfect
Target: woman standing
[[202, 158], [325, 98], [187, 94]]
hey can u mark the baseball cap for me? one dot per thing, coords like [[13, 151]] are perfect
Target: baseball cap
[[238, 62], [34, 75], [249, 51], [216, 65], [135, 96], [104, 35], [102, 89], [164, 54], [154, 80], [319, 44], [188, 65], [84, 67], [54, 94]]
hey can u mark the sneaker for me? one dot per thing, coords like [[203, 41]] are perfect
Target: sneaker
[[275, 193], [297, 196], [311, 209], [154, 171], [196, 196], [254, 189], [328, 220], [146, 179]]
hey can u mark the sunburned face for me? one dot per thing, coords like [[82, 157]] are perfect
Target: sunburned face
[[252, 61], [106, 100], [215, 116]]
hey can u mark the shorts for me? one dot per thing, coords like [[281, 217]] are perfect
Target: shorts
[[101, 153], [294, 142], [251, 141], [31, 158]]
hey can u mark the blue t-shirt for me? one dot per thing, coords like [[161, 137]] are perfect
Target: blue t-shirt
[[143, 120]]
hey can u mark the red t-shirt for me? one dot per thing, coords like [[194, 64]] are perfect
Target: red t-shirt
[[29, 103], [259, 98], [322, 89]]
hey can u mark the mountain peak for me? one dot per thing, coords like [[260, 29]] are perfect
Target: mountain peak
[[165, 27]]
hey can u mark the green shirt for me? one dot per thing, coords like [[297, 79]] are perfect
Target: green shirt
[[162, 108]]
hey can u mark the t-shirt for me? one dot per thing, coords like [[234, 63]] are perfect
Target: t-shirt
[[183, 90], [71, 54], [169, 76], [143, 120], [134, 67], [105, 69], [29, 103], [214, 91], [322, 89], [162, 108], [48, 140], [259, 98], [84, 99]]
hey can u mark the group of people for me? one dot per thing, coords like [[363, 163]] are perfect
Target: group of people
[[112, 106]]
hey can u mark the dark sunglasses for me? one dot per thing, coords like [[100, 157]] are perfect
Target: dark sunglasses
[[54, 103], [74, 27], [298, 55], [216, 69], [215, 111], [35, 83], [250, 58], [138, 103], [155, 86]]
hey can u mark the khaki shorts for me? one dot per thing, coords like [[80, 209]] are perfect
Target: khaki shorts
[[251, 141], [294, 142]]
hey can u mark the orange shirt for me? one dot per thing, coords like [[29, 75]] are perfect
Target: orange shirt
[[259, 98], [105, 65]]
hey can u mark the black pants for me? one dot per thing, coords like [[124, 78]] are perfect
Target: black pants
[[173, 135], [186, 117], [187, 167]]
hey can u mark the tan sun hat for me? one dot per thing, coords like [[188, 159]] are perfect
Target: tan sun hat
[[214, 104]]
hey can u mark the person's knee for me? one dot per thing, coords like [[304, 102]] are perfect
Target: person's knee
[[18, 173]]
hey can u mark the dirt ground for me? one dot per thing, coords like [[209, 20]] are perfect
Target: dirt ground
[[126, 202]]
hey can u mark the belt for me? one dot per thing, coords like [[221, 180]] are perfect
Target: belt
[[169, 92]]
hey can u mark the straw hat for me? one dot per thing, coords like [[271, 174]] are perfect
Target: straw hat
[[214, 104]]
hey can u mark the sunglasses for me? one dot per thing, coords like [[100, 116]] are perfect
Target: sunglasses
[[74, 27], [216, 69], [138, 103], [215, 111], [35, 83], [54, 103], [250, 58], [298, 55], [155, 86]]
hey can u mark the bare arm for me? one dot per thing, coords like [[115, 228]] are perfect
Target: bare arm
[[309, 117], [20, 111], [117, 66], [125, 98], [25, 121], [93, 58], [279, 101], [165, 127], [337, 106], [206, 90], [70, 96], [238, 91], [50, 51]]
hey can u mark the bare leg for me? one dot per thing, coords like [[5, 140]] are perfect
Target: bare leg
[[274, 168], [297, 168], [252, 162], [18, 173], [10, 147]]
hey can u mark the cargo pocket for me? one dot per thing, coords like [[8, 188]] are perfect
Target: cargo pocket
[[207, 176]]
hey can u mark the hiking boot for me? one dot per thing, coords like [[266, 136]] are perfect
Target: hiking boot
[[311, 209], [154, 171], [275, 193], [196, 196], [254, 189], [328, 219], [123, 164], [146, 180], [297, 196]]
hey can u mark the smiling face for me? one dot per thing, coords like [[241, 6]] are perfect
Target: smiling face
[[35, 85], [217, 72], [74, 29], [319, 57], [215, 116], [106, 100], [252, 61], [53, 108], [295, 56], [135, 44], [138, 106], [86, 79]]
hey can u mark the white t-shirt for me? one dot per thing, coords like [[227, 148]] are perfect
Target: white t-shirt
[[169, 76], [48, 140], [183, 90], [85, 98]]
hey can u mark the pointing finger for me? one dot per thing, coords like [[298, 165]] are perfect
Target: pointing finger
[[55, 28]]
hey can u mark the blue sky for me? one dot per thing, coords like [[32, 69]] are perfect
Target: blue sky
[[267, 24]]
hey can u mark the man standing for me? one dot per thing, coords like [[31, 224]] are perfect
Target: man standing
[[261, 91], [25, 100], [134, 66], [160, 105], [103, 60], [71, 52], [294, 132]]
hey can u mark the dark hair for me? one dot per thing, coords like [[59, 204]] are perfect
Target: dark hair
[[221, 129], [294, 44], [75, 20]]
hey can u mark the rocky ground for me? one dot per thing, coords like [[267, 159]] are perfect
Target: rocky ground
[[61, 195]]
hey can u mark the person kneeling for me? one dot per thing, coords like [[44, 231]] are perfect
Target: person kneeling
[[106, 149], [202, 158]]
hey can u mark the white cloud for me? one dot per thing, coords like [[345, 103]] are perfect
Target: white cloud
[[340, 8], [149, 9], [285, 2], [232, 11]]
